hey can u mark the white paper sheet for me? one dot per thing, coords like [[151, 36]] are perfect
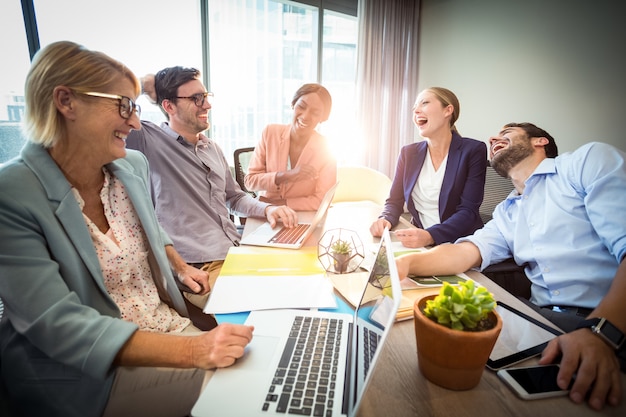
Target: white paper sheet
[[238, 293]]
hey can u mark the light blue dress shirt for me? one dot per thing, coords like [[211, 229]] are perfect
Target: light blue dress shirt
[[568, 226]]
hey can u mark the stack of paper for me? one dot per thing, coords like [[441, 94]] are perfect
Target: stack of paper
[[237, 293], [405, 311]]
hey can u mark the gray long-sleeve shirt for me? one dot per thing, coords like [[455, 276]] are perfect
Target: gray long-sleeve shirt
[[193, 190]]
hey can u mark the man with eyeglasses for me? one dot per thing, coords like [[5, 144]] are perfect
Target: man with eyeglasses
[[192, 187]]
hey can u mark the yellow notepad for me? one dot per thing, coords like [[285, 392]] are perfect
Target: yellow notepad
[[287, 262]]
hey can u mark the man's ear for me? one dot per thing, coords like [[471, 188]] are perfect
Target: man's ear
[[64, 100], [167, 106], [540, 141]]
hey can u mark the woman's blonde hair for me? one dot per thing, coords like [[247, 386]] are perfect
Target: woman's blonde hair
[[64, 64], [447, 98]]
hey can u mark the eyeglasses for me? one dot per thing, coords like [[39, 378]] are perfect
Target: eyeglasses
[[198, 99], [126, 105]]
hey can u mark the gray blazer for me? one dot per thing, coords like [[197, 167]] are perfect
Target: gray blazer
[[61, 330]]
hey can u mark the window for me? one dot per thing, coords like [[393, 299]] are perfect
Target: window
[[259, 54], [339, 76], [16, 63], [144, 35], [262, 52], [137, 33]]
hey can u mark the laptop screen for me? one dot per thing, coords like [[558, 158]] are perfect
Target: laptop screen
[[374, 316]]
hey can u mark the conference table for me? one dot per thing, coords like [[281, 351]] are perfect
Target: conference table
[[397, 387]]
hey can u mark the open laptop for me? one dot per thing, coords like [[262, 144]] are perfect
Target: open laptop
[[283, 373], [289, 238]]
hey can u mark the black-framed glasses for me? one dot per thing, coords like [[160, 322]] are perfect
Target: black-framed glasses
[[199, 98], [126, 105]]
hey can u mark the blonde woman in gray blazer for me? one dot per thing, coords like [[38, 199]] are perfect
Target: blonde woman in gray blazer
[[71, 338]]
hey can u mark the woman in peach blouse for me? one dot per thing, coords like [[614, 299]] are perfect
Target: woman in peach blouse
[[292, 164]]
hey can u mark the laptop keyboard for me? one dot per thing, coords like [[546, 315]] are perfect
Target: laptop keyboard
[[288, 235], [305, 379], [370, 342]]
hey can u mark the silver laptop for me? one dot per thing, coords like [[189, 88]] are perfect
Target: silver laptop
[[289, 237], [303, 362]]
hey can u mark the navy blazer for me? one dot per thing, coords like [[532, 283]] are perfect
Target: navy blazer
[[61, 331], [461, 192]]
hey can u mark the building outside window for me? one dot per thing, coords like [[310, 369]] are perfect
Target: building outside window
[[16, 61]]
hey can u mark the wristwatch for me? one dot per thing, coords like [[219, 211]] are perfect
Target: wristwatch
[[606, 330]]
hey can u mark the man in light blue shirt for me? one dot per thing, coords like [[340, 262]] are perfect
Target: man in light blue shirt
[[565, 220]]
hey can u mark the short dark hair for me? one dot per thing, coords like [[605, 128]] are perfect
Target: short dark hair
[[321, 91], [536, 132], [167, 81]]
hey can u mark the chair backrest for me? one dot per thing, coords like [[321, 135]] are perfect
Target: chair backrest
[[497, 188], [242, 160], [358, 183]]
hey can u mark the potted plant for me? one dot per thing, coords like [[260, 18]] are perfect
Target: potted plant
[[341, 251], [455, 332]]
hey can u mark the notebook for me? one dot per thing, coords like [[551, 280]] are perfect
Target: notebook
[[289, 238], [283, 373]]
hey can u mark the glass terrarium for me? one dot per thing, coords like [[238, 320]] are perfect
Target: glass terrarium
[[340, 251]]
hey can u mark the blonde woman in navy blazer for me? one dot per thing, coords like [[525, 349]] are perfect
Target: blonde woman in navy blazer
[[65, 348], [435, 113]]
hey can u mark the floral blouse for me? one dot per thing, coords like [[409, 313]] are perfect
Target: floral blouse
[[123, 255]]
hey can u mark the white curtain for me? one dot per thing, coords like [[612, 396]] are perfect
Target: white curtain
[[386, 78]]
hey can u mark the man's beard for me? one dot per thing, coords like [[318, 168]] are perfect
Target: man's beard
[[506, 159]]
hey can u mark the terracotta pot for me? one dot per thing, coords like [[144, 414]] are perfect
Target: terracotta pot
[[340, 262], [452, 359]]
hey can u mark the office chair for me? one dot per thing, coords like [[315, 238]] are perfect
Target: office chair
[[358, 183], [242, 160], [497, 188], [507, 273], [241, 157]]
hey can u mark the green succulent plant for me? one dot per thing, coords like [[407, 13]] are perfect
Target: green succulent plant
[[464, 306], [341, 246]]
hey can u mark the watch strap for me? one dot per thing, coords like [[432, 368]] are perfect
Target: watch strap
[[605, 330], [589, 323]]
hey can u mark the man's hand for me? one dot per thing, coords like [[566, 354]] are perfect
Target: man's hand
[[593, 364], [403, 263], [282, 213], [196, 279]]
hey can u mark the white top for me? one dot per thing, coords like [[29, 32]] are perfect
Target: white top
[[426, 192]]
